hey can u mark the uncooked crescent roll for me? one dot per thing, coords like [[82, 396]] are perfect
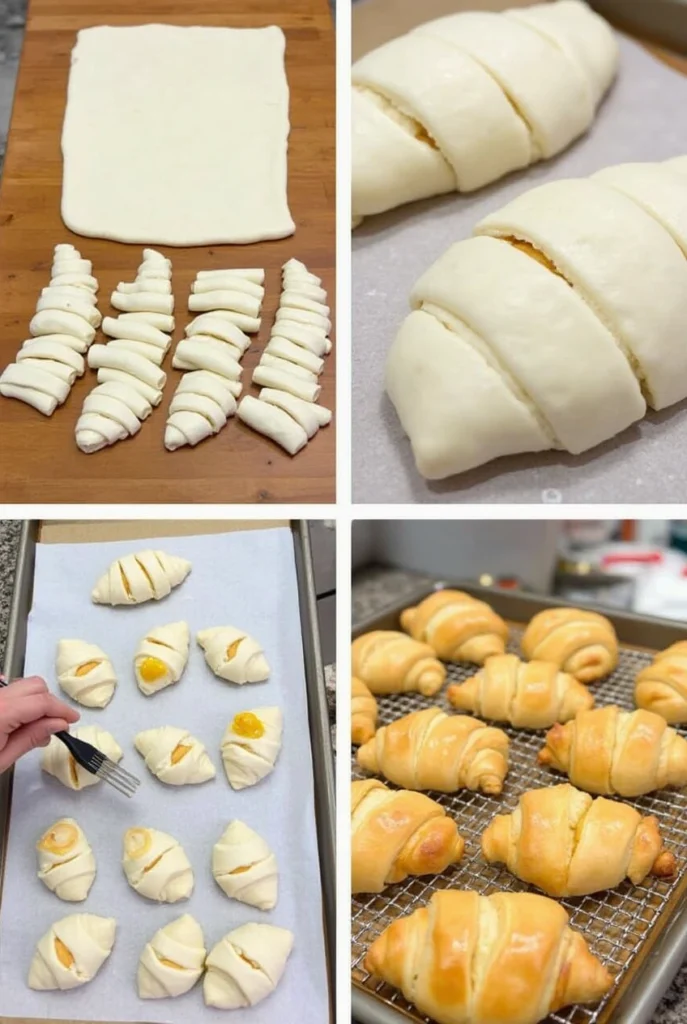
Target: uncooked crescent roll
[[85, 673], [246, 965], [216, 327], [244, 867], [197, 355], [228, 281], [396, 833], [472, 958], [308, 415], [66, 864], [461, 101], [161, 657], [147, 302], [390, 662], [363, 712], [662, 686], [296, 354], [529, 695], [457, 626], [112, 358], [197, 414], [238, 302], [580, 642], [250, 745], [233, 654], [568, 844], [172, 962], [432, 750], [272, 421], [300, 334], [275, 362], [285, 380], [58, 761], [156, 865], [256, 274], [616, 752], [174, 756], [72, 952], [145, 576]]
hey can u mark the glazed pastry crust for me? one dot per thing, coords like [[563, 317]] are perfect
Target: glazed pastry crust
[[529, 695], [662, 686], [390, 662], [568, 844], [457, 626], [363, 712], [580, 642], [396, 833]]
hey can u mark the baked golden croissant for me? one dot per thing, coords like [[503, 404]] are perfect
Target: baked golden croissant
[[389, 662], [363, 712], [395, 833], [488, 959], [615, 752], [529, 695], [662, 686], [569, 844], [457, 626], [579, 642], [432, 750]]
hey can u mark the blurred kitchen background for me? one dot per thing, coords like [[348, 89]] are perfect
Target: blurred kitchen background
[[639, 565]]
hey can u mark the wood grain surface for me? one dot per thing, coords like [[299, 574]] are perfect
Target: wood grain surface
[[39, 460]]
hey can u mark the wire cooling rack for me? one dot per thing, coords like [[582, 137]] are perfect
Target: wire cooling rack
[[615, 923]]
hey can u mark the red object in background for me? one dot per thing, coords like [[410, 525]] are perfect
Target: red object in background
[[628, 530], [635, 558]]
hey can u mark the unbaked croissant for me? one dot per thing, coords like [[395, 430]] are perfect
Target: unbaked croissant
[[662, 686], [615, 752], [542, 332], [529, 695], [363, 712], [156, 865], [174, 756], [432, 750], [172, 962], [244, 866], [66, 864], [145, 576], [396, 833], [488, 959], [463, 100], [85, 673], [161, 657], [457, 626], [58, 761], [569, 844], [234, 655], [580, 642], [389, 662], [246, 965], [251, 745], [72, 951]]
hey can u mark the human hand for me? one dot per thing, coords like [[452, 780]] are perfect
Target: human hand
[[29, 715]]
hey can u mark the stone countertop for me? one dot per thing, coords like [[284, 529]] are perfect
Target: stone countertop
[[376, 588]]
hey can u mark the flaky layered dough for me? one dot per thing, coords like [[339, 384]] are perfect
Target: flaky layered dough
[[509, 958], [568, 844], [363, 712], [389, 662], [580, 642], [529, 695], [457, 626], [396, 833], [662, 686], [615, 752], [431, 750]]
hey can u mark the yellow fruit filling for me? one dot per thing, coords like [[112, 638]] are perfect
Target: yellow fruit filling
[[249, 725], [170, 963], [63, 954], [232, 649], [87, 667], [179, 752], [60, 838], [152, 669], [137, 842]]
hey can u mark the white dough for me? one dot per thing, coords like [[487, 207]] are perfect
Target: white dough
[[108, 374], [208, 383], [172, 962], [268, 377], [161, 657], [249, 758], [59, 370], [234, 655], [300, 334], [162, 321], [244, 866], [175, 756], [145, 576], [223, 88], [309, 415], [255, 274], [147, 302], [144, 283], [20, 375], [304, 316], [66, 864], [61, 339], [228, 282], [274, 362], [85, 673], [44, 403], [117, 327], [128, 362], [246, 965], [57, 321], [273, 422], [44, 348], [152, 353], [156, 865], [237, 302], [86, 937], [216, 327], [128, 395], [56, 759], [202, 355], [295, 354]]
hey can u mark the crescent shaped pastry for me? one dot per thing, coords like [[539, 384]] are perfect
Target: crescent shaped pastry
[[57, 321], [300, 334], [119, 406], [248, 324], [63, 339], [175, 756], [43, 348], [363, 712], [228, 281], [85, 673], [71, 952], [457, 626], [107, 375], [161, 657], [156, 865], [390, 662], [172, 962], [57, 760], [295, 354], [66, 864], [250, 746], [244, 867], [662, 686], [133, 330], [285, 366], [308, 415], [303, 316], [246, 965], [580, 642], [145, 576], [216, 327], [30, 379], [271, 420], [197, 355], [209, 384], [238, 302], [137, 366], [268, 377], [59, 370], [234, 655]]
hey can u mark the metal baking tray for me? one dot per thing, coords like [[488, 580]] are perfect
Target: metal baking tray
[[318, 717], [640, 932]]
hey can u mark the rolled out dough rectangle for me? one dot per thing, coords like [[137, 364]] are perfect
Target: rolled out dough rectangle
[[177, 136]]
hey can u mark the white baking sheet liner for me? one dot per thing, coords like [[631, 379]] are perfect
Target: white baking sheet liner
[[643, 118], [248, 579]]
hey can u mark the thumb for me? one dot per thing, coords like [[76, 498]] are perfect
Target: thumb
[[28, 737]]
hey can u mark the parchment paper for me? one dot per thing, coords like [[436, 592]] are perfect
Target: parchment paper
[[247, 579], [643, 118]]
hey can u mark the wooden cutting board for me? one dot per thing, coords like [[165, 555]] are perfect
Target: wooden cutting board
[[39, 460]]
